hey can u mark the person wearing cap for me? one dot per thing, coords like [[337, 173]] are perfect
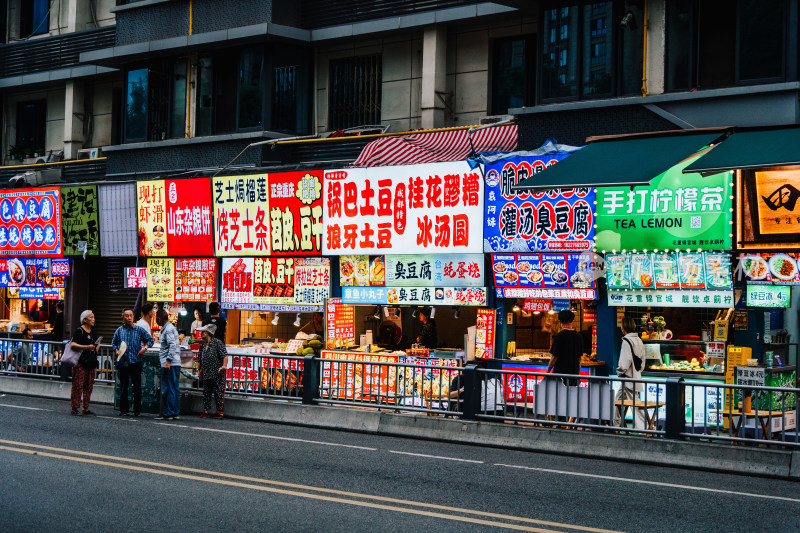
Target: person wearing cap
[[567, 349], [213, 359]]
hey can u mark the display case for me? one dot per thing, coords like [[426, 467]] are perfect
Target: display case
[[689, 358]]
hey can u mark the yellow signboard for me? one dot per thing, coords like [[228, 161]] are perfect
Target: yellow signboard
[[161, 280]]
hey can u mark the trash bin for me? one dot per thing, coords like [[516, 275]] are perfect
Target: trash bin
[[151, 385]]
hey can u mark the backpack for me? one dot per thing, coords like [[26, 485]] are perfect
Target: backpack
[[638, 362]]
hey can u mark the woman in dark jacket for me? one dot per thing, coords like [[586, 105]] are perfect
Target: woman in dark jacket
[[83, 373], [213, 360]]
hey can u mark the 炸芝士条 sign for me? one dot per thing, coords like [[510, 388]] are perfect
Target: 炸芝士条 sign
[[676, 211], [79, 219]]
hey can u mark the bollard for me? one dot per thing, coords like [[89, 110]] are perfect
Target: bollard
[[472, 393], [676, 408], [310, 379]]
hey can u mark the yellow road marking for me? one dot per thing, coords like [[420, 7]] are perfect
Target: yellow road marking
[[296, 486]]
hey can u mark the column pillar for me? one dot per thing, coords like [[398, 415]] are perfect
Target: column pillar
[[434, 64], [74, 117]]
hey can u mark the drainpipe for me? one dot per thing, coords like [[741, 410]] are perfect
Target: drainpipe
[[644, 53]]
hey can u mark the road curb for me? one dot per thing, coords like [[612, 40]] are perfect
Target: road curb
[[743, 460]]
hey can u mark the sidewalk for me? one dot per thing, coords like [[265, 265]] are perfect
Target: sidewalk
[[743, 460]]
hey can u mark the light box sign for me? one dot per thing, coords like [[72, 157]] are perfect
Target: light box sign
[[30, 222], [484, 334], [268, 215], [683, 270], [776, 198], [545, 275], [136, 278], [181, 280], [766, 269], [647, 298], [557, 220], [35, 278], [415, 295], [675, 211], [275, 283], [174, 217], [79, 219], [421, 209], [772, 296], [454, 270], [340, 324]]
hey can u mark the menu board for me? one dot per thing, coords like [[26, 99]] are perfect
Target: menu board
[[422, 386], [524, 221], [454, 270], [415, 295], [484, 334], [772, 296], [268, 215], [358, 381], [174, 217], [35, 278], [690, 270], [340, 320], [30, 222], [427, 208], [765, 269], [545, 275], [79, 212], [670, 298], [160, 279], [136, 278], [181, 280], [273, 284]]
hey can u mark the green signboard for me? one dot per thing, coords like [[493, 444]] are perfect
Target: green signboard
[[79, 219], [773, 296], [676, 211]]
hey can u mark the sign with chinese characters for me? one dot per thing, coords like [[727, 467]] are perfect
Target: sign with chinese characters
[[340, 324], [271, 283], [541, 306], [415, 295], [777, 208], [35, 278], [174, 217], [79, 215], [675, 211], [684, 270], [645, 298], [430, 208], [454, 270], [484, 334], [773, 296], [765, 269], [161, 279], [195, 280], [557, 220], [269, 214], [545, 275], [30, 222], [136, 278], [350, 381]]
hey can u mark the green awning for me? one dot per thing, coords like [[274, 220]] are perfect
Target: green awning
[[752, 149], [620, 161]]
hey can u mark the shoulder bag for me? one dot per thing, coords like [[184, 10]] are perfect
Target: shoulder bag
[[71, 355]]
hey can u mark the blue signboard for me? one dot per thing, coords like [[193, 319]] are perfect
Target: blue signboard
[[556, 220], [35, 278]]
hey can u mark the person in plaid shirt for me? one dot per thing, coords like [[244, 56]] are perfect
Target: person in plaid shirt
[[137, 341]]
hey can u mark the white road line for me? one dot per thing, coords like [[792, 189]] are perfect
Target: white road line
[[437, 457], [23, 407], [120, 418], [656, 483], [268, 437]]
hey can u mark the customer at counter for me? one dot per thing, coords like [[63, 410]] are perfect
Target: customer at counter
[[567, 349], [219, 323], [428, 337]]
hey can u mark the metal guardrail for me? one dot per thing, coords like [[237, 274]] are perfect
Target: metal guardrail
[[45, 360]]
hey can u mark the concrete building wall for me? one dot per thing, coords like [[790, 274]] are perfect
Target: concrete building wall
[[101, 108]]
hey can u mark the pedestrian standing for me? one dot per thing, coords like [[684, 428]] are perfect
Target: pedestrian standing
[[170, 357], [567, 349], [83, 373], [146, 322], [136, 340], [213, 359], [631, 362]]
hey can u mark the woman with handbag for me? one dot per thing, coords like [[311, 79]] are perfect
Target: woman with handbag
[[83, 372], [213, 359], [631, 361]]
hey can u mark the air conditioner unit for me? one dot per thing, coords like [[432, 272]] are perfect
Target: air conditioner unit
[[493, 119], [90, 153]]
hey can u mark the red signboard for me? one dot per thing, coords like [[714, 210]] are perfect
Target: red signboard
[[341, 325], [484, 335], [136, 278], [541, 306], [30, 222]]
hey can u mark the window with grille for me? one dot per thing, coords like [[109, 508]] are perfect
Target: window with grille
[[355, 92]]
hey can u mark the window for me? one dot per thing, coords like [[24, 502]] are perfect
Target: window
[[178, 114], [31, 127], [512, 74], [136, 106], [355, 92], [251, 89], [34, 18], [718, 43]]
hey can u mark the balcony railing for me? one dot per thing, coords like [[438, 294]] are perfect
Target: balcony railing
[[52, 53], [323, 13]]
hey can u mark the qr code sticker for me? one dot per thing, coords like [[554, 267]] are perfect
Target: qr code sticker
[[695, 223]]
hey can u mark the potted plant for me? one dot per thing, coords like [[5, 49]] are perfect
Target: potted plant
[[16, 153]]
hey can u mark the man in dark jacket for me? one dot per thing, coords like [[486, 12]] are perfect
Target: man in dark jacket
[[567, 349]]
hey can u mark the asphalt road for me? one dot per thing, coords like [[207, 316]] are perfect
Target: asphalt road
[[104, 473]]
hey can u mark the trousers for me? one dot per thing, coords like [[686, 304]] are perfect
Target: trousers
[[132, 372]]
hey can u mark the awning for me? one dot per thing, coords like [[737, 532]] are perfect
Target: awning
[[752, 149], [621, 161], [434, 147]]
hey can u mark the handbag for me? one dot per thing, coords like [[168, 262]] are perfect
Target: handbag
[[71, 355]]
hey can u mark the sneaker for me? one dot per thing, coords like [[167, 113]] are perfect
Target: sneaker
[[74, 413], [176, 418], [159, 417], [88, 413], [124, 414], [204, 415], [217, 415]]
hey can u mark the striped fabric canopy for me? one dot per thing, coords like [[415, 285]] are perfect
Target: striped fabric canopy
[[435, 146]]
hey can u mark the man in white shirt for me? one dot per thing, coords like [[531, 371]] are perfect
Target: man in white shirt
[[146, 322]]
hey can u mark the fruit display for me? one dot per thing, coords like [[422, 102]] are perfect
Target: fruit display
[[681, 366], [311, 346]]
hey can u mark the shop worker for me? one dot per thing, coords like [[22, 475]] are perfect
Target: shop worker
[[631, 362], [316, 326], [136, 340], [567, 349], [170, 357], [217, 321], [428, 337], [146, 322], [20, 358]]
